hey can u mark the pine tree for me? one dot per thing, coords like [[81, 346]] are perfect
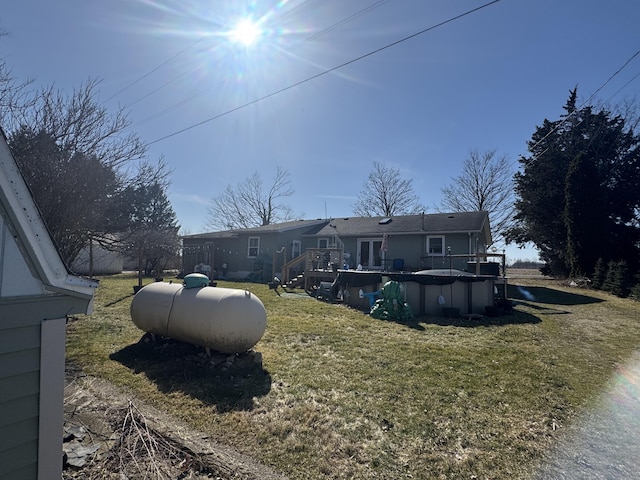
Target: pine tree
[[554, 210], [618, 279], [584, 216], [151, 233], [599, 273]]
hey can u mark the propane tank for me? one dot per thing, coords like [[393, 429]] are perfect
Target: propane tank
[[223, 319]]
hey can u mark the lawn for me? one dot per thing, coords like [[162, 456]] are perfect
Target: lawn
[[342, 395]]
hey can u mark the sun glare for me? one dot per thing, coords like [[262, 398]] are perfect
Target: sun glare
[[246, 32]]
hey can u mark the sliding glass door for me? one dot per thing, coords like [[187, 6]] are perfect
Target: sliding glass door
[[369, 254]]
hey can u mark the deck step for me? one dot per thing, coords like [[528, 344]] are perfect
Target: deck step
[[297, 282]]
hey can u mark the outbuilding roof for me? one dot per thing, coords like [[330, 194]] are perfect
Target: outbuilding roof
[[31, 233]]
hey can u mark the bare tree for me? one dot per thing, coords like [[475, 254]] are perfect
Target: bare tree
[[75, 155], [72, 190], [249, 204], [152, 227], [385, 193], [485, 184], [13, 94], [80, 124]]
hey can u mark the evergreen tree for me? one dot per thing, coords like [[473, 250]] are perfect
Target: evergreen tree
[[599, 273], [556, 216], [151, 233], [618, 279], [584, 215]]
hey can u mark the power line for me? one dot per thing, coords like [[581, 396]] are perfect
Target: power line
[[583, 104], [623, 86], [612, 77], [324, 72], [346, 20], [138, 80]]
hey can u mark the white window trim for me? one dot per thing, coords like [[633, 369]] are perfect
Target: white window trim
[[370, 241], [325, 241], [249, 247], [429, 254]]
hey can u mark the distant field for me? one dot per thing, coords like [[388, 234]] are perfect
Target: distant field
[[523, 272]]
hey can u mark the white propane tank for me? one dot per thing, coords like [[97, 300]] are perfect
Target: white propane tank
[[224, 319]]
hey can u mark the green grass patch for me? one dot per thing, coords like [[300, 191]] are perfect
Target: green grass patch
[[342, 395]]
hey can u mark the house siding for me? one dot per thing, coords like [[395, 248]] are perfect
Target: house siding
[[412, 250], [20, 463], [21, 320], [234, 252], [19, 395], [406, 237], [36, 294]]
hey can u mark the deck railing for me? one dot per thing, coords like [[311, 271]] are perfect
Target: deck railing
[[292, 264], [325, 259]]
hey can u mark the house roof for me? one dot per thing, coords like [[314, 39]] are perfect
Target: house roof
[[435, 223], [32, 233], [305, 225]]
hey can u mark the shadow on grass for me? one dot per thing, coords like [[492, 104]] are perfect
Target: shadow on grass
[[230, 382], [513, 318], [542, 309], [412, 323], [118, 300], [549, 296]]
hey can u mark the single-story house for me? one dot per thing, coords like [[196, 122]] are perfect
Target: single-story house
[[246, 252], [397, 243], [37, 293]]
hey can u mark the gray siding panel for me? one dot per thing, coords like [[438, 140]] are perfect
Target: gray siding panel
[[27, 473], [19, 394], [17, 363], [18, 410], [20, 462], [10, 317], [19, 386], [16, 339], [19, 434]]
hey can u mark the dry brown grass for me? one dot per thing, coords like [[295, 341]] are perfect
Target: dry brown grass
[[341, 395]]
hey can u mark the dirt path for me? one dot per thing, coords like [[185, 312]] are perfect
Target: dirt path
[[107, 435]]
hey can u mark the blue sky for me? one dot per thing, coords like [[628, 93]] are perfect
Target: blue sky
[[483, 81]]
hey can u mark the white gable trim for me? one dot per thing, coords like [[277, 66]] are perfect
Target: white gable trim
[[24, 217]]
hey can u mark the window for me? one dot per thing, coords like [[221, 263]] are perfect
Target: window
[[296, 248], [208, 249], [323, 243], [254, 247], [435, 246]]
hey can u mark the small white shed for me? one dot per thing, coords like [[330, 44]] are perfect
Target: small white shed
[[37, 293]]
